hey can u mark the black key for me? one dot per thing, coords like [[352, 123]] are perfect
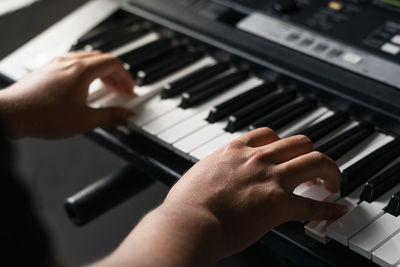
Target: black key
[[206, 90], [364, 169], [147, 52], [394, 205], [284, 115], [252, 112], [197, 77], [150, 64], [228, 107], [118, 39], [381, 184], [323, 128], [103, 31], [341, 144], [167, 67]]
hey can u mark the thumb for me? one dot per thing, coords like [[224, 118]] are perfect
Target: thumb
[[108, 117]]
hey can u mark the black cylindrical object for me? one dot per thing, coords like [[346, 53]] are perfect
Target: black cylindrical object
[[106, 193]]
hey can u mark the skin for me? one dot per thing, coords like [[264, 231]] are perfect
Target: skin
[[51, 102], [222, 205]]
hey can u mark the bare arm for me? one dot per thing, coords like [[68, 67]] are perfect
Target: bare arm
[[228, 201]]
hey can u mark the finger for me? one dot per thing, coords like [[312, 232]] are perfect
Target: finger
[[259, 137], [288, 148], [306, 209], [308, 167], [82, 54], [108, 117], [106, 66]]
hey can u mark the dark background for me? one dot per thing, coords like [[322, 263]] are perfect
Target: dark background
[[54, 170]]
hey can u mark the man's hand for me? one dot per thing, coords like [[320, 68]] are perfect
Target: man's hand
[[51, 102], [230, 200]]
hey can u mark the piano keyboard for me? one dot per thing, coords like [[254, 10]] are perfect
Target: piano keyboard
[[192, 100]]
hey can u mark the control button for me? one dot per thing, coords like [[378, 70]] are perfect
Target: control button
[[306, 42], [335, 5], [320, 47], [335, 53], [390, 48], [352, 58], [396, 39], [294, 36]]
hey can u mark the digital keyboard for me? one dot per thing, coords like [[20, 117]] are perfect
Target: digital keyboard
[[206, 73]]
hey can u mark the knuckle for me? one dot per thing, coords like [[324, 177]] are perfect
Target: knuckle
[[257, 156]]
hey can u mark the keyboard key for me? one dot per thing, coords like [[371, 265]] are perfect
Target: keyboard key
[[375, 235], [283, 116], [388, 254], [358, 218], [103, 30], [135, 44], [184, 128], [117, 39], [381, 184], [206, 90], [177, 115], [202, 75], [200, 137], [151, 60], [146, 52], [344, 142], [167, 67], [304, 122], [222, 110], [252, 112], [394, 205], [323, 128], [364, 169], [208, 148]]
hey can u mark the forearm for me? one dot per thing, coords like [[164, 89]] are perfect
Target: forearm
[[165, 238]]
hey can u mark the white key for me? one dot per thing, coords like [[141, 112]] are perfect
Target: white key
[[150, 91], [351, 223], [177, 115], [375, 234], [184, 128], [43, 58], [303, 122], [157, 107], [319, 193], [154, 108], [96, 90], [208, 148], [318, 230], [201, 136], [148, 38], [388, 254], [301, 189]]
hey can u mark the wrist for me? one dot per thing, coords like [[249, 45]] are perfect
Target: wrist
[[14, 113], [196, 229]]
